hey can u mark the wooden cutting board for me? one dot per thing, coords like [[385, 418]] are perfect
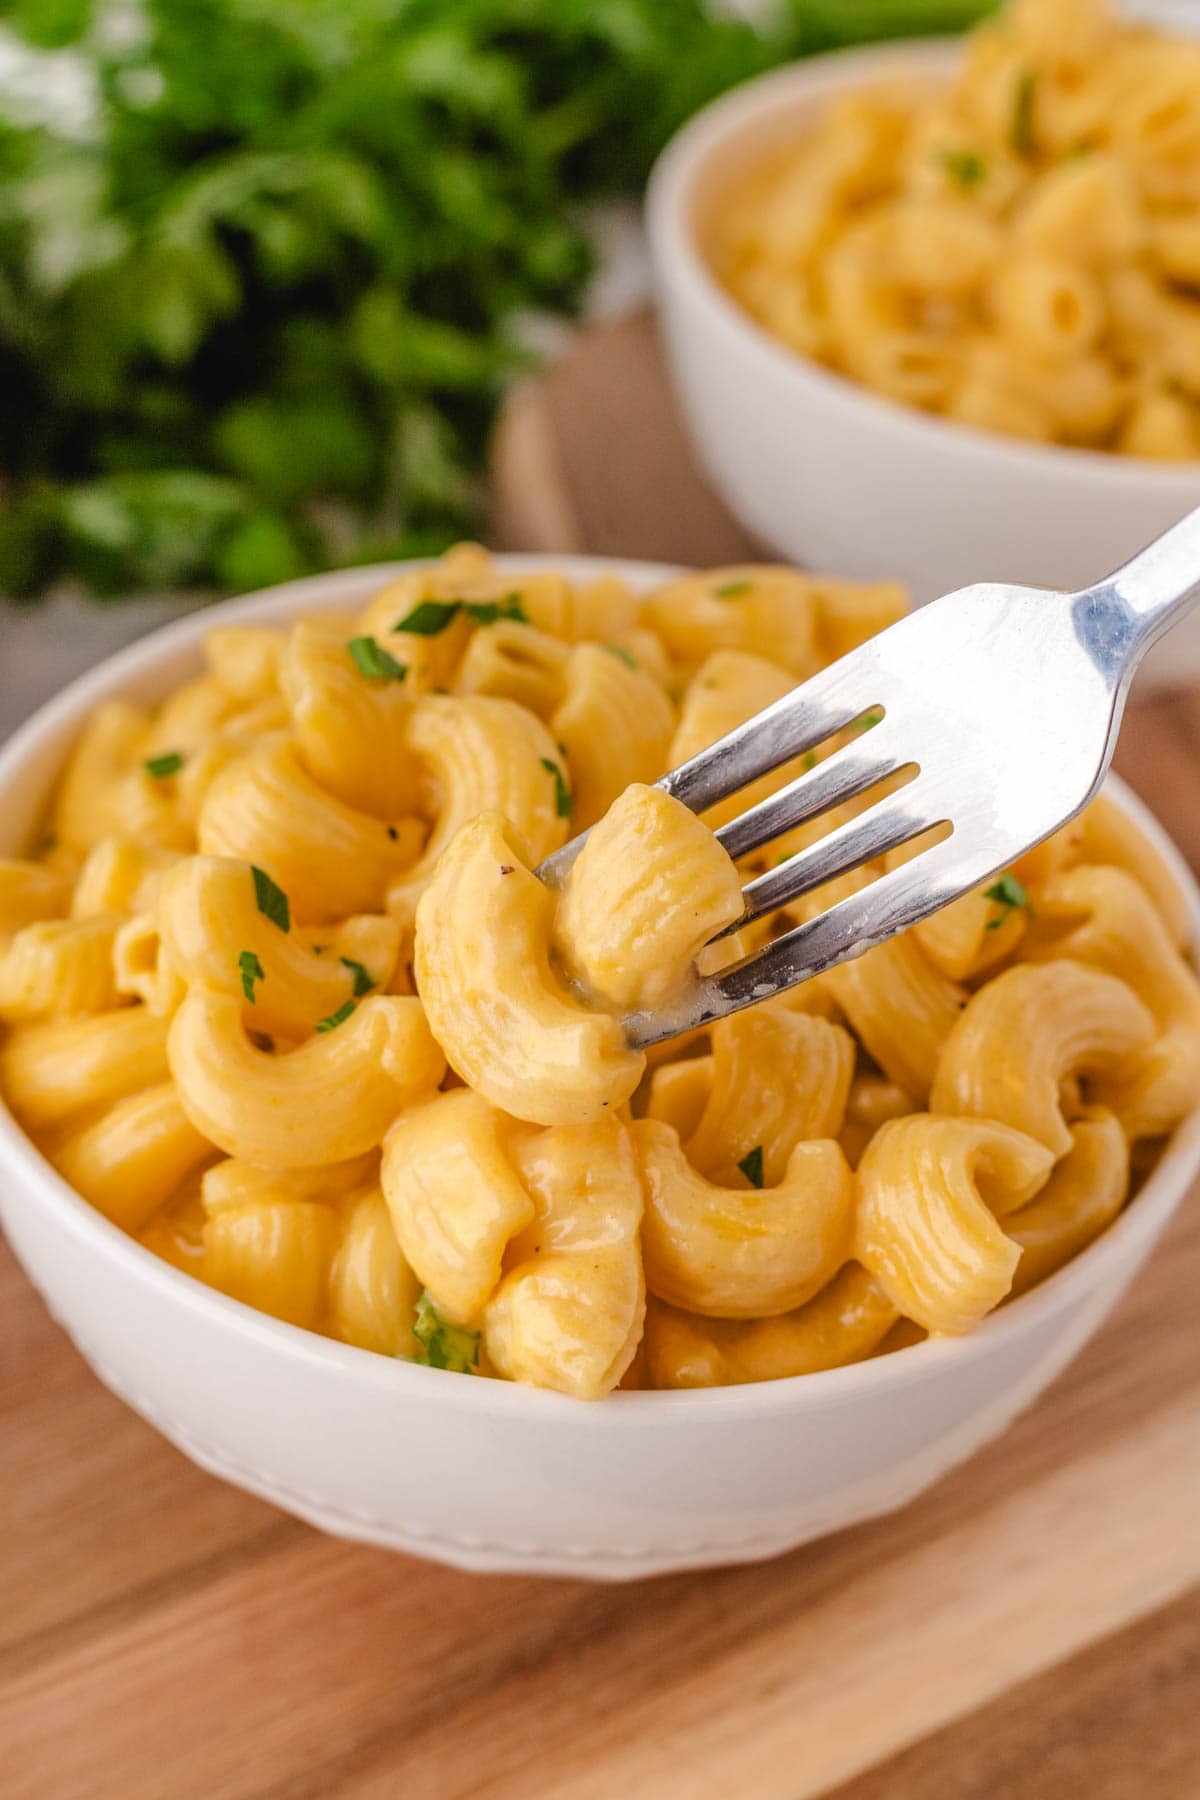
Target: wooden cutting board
[[1029, 1630]]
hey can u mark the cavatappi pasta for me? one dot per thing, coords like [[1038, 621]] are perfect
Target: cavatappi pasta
[[281, 995], [1017, 248]]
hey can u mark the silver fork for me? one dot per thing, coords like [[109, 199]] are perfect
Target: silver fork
[[1006, 701]]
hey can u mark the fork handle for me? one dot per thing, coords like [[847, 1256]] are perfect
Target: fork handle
[[1160, 584]]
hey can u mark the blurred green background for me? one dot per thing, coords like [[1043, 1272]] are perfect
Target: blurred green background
[[263, 282]]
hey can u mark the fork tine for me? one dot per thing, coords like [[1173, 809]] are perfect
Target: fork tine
[[812, 712], [883, 827], [848, 929], [848, 772]]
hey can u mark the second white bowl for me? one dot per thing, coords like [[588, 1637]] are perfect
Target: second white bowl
[[831, 475]]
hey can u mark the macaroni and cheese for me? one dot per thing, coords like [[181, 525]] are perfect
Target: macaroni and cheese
[[282, 996], [1017, 248]]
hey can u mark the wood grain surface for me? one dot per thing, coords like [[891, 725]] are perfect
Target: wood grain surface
[[1028, 1630]]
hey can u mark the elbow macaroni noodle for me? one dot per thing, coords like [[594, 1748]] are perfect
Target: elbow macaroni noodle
[[570, 1310], [1017, 249], [282, 997]]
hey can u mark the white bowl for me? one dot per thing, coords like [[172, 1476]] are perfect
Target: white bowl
[[484, 1474], [832, 475]]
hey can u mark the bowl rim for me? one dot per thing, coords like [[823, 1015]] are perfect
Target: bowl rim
[[22, 1163], [677, 258]]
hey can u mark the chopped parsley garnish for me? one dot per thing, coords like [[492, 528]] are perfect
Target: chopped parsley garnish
[[1009, 894], [169, 763], [729, 590], [271, 901], [319, 949], [251, 971], [428, 618], [562, 793], [751, 1166], [622, 655], [444, 1346], [487, 612], [965, 167], [810, 761], [362, 980], [373, 661], [433, 616], [868, 720], [334, 1019], [1021, 135]]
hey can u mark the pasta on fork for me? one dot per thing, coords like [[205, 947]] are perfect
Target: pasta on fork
[[282, 997]]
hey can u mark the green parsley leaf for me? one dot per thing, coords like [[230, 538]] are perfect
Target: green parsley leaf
[[729, 590], [429, 618], [271, 901], [319, 949], [751, 1166], [444, 1346], [562, 793], [966, 167], [362, 980], [1021, 133], [1009, 894], [487, 612], [372, 261], [810, 761], [868, 721], [373, 661], [252, 971], [337, 1018], [169, 763], [433, 616], [622, 655]]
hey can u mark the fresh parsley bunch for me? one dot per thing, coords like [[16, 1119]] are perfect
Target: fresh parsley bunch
[[257, 310]]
